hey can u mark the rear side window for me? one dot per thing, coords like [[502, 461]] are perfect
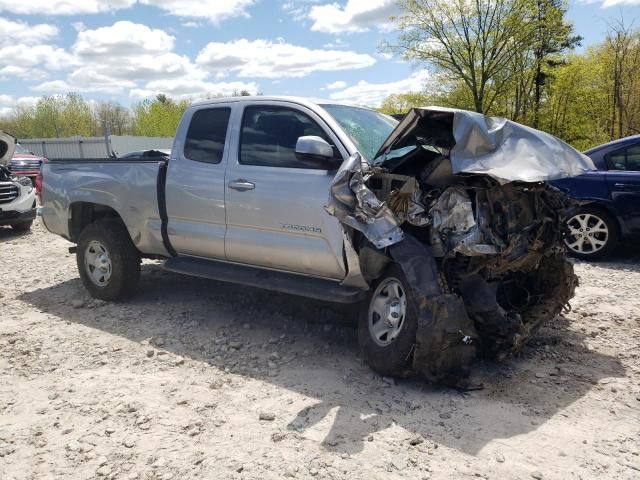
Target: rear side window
[[624, 159], [269, 136], [206, 135]]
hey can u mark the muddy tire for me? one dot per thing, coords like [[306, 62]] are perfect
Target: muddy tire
[[108, 262], [593, 233], [387, 324], [22, 226]]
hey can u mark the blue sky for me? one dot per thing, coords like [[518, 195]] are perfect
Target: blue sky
[[128, 50]]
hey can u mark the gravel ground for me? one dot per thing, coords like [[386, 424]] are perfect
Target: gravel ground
[[196, 379]]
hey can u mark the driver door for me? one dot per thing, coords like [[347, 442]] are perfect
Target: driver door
[[275, 199]]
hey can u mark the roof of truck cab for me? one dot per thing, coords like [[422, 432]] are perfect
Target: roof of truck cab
[[277, 98]]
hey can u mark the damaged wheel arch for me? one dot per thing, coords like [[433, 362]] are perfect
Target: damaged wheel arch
[[476, 234]]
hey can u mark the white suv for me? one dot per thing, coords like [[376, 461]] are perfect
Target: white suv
[[17, 194]]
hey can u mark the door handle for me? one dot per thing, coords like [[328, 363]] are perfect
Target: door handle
[[626, 186], [242, 185]]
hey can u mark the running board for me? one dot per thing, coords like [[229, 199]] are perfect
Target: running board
[[267, 279]]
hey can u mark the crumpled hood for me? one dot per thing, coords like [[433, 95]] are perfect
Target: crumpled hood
[[500, 148], [7, 147]]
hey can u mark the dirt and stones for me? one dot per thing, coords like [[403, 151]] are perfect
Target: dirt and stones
[[196, 379]]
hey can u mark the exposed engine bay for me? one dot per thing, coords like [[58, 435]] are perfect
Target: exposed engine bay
[[484, 254]]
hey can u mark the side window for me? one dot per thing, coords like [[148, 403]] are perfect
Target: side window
[[633, 158], [206, 135], [624, 159], [616, 160], [269, 136]]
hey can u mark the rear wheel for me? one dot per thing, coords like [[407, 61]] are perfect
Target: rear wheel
[[22, 226], [593, 233], [108, 262], [388, 323]]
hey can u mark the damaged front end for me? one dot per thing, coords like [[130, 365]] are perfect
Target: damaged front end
[[458, 201]]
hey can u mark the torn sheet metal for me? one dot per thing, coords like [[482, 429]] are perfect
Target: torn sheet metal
[[355, 277], [453, 212], [406, 204], [445, 346], [500, 148], [453, 218], [351, 201]]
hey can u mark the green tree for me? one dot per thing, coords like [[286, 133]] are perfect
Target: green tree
[[113, 115], [400, 103], [473, 41], [75, 116], [159, 117], [553, 37]]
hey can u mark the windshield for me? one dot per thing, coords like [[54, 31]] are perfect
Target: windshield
[[21, 149], [366, 128]]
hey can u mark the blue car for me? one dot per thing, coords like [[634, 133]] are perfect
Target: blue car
[[613, 192]]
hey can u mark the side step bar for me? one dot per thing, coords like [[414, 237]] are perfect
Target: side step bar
[[266, 279]]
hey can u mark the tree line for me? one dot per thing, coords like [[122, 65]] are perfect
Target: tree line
[[69, 115], [517, 59]]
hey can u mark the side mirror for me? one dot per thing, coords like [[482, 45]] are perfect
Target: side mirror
[[314, 146]]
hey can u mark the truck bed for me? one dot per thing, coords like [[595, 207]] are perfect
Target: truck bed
[[134, 189]]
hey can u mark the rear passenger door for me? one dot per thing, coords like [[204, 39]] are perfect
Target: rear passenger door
[[623, 179], [275, 200], [195, 185]]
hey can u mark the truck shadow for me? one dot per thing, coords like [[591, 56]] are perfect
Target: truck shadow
[[315, 345]]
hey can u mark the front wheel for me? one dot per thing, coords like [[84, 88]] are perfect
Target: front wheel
[[593, 233], [388, 323], [108, 262]]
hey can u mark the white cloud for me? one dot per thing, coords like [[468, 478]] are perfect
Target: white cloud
[[115, 58], [8, 103], [25, 73], [336, 85], [192, 88], [25, 50], [12, 32], [298, 12], [338, 43], [122, 39], [63, 7], [614, 3], [213, 10], [21, 56], [263, 58], [372, 94], [354, 16]]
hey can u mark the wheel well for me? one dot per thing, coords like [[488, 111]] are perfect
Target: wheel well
[[85, 213]]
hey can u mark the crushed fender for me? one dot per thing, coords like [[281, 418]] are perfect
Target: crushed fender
[[446, 337], [480, 241]]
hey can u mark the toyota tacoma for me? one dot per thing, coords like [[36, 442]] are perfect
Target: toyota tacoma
[[441, 226]]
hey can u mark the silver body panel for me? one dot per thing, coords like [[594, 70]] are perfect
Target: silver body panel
[[280, 224], [128, 188]]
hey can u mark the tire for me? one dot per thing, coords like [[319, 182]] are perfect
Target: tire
[[108, 262], [593, 233], [22, 226], [389, 354]]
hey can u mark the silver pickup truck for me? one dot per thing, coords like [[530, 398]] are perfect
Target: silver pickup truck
[[441, 226]]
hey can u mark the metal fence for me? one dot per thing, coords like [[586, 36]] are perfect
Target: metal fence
[[93, 147]]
